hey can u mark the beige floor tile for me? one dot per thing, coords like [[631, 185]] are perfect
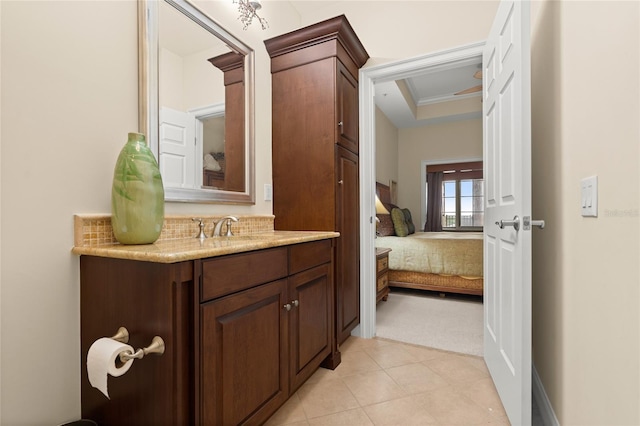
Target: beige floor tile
[[500, 421], [484, 393], [422, 353], [373, 387], [290, 413], [477, 362], [456, 369], [416, 378], [354, 362], [391, 355], [323, 375], [452, 408], [383, 382], [404, 411], [359, 344], [356, 417], [326, 397]]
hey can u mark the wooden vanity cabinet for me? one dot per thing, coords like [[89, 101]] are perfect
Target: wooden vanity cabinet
[[260, 344], [315, 145], [148, 299], [242, 333]]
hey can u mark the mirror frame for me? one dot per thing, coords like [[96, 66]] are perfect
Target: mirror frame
[[148, 104]]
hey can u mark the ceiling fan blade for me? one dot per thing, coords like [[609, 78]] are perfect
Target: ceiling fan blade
[[478, 75], [469, 90]]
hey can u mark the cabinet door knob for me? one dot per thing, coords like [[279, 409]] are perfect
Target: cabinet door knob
[[340, 123], [287, 307], [340, 182], [295, 303]]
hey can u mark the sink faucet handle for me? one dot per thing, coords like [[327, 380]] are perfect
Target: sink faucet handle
[[229, 219], [201, 235]]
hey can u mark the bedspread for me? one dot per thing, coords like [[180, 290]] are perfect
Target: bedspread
[[444, 253]]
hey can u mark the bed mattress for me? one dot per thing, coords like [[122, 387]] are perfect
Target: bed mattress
[[442, 253]]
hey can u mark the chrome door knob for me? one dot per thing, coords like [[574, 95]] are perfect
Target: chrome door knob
[[515, 223]]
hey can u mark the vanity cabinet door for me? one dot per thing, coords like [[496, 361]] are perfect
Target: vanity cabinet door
[[348, 245], [310, 322], [347, 99], [244, 355]]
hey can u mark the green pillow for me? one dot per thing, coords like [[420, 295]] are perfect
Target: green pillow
[[407, 218], [399, 222]]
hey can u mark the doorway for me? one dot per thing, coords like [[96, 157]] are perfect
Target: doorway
[[368, 78]]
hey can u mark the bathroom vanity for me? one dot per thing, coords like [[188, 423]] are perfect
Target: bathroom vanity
[[245, 321]]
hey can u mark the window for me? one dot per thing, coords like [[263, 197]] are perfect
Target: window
[[462, 203]]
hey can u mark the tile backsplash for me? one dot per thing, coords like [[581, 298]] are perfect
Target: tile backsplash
[[95, 229]]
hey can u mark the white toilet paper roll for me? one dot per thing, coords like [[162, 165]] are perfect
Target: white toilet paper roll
[[103, 359]]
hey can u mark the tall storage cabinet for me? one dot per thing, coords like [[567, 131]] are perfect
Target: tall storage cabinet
[[315, 146]]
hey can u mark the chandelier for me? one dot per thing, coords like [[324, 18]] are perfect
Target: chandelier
[[248, 10]]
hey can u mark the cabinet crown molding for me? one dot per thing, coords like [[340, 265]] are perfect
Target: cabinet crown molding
[[334, 29]]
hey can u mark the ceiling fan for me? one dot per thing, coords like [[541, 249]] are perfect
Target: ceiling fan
[[478, 88]]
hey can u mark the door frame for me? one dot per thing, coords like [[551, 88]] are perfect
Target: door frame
[[368, 77]]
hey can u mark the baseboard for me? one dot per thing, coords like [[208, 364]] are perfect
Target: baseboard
[[544, 405]]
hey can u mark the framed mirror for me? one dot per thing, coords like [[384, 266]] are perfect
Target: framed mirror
[[196, 108]]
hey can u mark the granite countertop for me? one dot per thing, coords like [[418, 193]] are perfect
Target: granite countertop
[[178, 250]]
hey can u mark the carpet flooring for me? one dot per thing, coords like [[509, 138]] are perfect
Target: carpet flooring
[[452, 323]]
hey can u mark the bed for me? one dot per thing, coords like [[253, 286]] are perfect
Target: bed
[[449, 262], [213, 166]]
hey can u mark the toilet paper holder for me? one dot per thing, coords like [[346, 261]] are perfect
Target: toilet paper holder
[[156, 346]]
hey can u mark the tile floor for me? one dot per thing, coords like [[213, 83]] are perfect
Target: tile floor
[[382, 382]]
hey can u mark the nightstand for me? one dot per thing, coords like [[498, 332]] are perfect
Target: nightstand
[[382, 273]]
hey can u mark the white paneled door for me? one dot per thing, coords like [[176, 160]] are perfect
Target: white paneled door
[[507, 244], [177, 148]]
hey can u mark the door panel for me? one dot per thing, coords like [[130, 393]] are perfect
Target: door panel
[[507, 248], [177, 148]]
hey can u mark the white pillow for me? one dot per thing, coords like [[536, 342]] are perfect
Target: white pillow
[[210, 163]]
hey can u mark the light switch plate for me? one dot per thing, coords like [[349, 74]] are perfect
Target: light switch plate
[[589, 196], [268, 192]]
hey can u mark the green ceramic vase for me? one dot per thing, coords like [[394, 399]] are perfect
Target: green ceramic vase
[[137, 194]]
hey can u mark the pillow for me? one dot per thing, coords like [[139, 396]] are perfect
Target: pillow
[[399, 222], [390, 207], [385, 227], [407, 217], [210, 163]]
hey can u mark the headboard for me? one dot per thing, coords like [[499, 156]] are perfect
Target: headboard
[[383, 192]]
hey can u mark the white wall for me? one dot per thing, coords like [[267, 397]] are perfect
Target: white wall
[[445, 141], [189, 82], [397, 29], [585, 72], [386, 149], [69, 97]]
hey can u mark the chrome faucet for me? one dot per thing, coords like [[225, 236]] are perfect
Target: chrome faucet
[[218, 226]]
